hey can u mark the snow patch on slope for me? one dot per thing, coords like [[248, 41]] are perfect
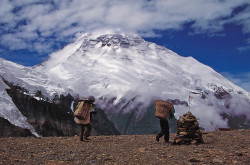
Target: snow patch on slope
[[30, 79], [9, 111]]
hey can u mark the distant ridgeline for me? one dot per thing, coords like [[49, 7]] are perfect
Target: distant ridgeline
[[49, 117]]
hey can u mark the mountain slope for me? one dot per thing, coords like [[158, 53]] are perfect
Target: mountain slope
[[10, 112], [126, 74], [131, 72], [117, 64]]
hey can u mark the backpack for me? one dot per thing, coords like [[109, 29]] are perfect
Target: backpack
[[80, 113], [163, 109]]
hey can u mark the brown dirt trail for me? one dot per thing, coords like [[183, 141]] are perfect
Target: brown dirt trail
[[220, 147]]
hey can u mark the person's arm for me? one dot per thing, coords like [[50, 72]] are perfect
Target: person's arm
[[92, 110], [172, 111]]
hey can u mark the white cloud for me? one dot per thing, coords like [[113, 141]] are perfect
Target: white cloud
[[242, 80], [243, 18], [63, 19], [12, 42], [244, 48], [5, 7]]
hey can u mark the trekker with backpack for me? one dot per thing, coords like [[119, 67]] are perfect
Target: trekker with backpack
[[169, 111], [83, 116]]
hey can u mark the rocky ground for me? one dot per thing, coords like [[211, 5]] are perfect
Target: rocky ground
[[220, 147]]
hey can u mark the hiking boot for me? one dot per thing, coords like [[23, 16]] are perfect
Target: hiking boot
[[86, 138], [157, 138], [169, 143]]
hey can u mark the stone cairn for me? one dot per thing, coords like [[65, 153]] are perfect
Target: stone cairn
[[188, 130]]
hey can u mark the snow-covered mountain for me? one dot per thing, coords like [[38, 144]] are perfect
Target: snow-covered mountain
[[126, 74]]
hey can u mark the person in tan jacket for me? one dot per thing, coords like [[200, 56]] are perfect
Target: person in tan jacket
[[85, 120]]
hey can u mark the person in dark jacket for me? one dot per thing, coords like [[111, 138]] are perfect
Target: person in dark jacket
[[164, 123]]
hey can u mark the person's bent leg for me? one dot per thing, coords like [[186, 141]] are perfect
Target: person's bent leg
[[159, 135]]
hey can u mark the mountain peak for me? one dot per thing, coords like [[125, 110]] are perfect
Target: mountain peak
[[113, 40]]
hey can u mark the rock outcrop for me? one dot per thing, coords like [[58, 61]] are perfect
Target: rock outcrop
[[9, 130], [54, 118], [48, 119]]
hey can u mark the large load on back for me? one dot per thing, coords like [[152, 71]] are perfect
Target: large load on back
[[80, 111], [82, 108], [163, 108]]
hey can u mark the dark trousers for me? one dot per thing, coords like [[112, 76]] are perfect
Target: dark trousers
[[164, 130], [87, 132]]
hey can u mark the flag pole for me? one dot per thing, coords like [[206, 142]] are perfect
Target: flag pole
[[189, 101]]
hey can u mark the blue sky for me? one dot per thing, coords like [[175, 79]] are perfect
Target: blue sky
[[215, 32]]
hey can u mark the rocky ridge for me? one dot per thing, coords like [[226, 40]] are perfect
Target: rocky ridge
[[9, 130], [50, 117]]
